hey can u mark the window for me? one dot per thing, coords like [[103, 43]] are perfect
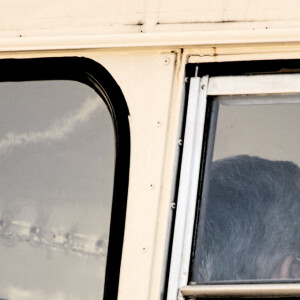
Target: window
[[63, 141], [241, 185]]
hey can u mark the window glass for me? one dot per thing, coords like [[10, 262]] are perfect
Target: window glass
[[247, 227], [57, 160]]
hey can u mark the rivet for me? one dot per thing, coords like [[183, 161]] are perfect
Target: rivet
[[167, 60]]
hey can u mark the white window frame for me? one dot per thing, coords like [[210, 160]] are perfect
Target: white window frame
[[200, 89]]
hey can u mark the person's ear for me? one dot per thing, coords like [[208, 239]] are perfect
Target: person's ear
[[285, 271], [289, 268]]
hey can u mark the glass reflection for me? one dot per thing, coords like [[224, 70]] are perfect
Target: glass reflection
[[57, 158]]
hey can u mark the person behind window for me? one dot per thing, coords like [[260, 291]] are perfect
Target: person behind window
[[251, 221]]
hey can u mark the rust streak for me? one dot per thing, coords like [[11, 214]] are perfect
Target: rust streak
[[179, 60]]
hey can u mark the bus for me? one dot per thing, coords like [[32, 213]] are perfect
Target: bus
[[184, 179]]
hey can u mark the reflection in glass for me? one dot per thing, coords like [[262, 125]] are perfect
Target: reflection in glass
[[250, 204], [57, 158]]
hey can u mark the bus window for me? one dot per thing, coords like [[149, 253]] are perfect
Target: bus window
[[250, 203], [238, 202], [57, 156]]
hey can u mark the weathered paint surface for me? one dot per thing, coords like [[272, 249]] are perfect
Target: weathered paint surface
[[33, 18]]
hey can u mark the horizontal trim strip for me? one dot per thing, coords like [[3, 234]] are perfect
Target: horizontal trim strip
[[165, 39], [256, 84], [242, 290]]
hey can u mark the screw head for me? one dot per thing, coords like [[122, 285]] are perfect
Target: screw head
[[166, 60]]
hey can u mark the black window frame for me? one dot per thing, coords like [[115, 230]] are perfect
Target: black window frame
[[93, 74]]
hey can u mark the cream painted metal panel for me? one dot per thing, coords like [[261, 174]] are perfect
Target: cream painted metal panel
[[146, 80], [68, 16], [33, 18], [215, 11]]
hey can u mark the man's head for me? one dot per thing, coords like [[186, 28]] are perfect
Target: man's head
[[249, 221]]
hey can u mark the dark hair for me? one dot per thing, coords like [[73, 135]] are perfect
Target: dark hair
[[249, 219]]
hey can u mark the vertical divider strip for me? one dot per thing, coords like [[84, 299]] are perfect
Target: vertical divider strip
[[188, 186]]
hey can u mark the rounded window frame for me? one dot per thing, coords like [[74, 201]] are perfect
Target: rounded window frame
[[93, 74]]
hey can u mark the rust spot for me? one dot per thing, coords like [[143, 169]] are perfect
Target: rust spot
[[139, 23], [179, 60], [206, 22], [214, 51], [229, 21]]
